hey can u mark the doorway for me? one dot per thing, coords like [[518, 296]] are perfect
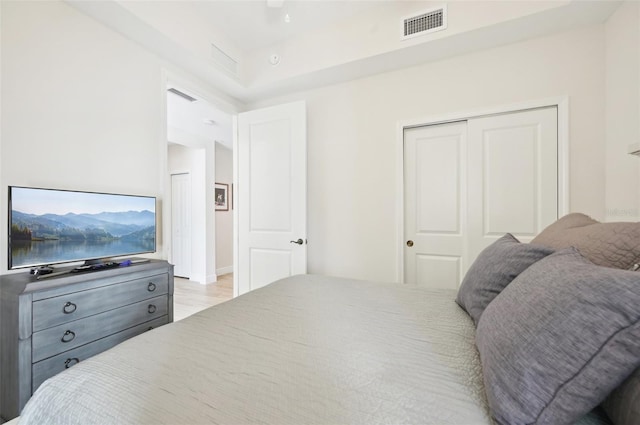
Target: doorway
[[271, 147], [195, 129]]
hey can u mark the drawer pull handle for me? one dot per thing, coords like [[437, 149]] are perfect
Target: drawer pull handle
[[69, 308], [152, 308], [151, 287], [70, 362], [68, 336]]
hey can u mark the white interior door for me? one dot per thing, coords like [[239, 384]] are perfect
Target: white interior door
[[271, 188], [468, 183], [181, 224], [435, 193], [513, 176]]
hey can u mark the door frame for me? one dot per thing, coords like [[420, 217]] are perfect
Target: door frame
[[236, 214], [561, 102]]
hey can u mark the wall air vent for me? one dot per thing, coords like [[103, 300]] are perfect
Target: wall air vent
[[181, 94], [223, 60], [426, 22]]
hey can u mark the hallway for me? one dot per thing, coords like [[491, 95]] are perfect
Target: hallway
[[192, 297]]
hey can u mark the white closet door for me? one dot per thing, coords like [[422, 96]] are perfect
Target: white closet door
[[435, 206], [181, 224], [513, 176], [468, 183]]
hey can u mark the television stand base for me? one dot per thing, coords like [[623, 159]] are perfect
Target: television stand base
[[42, 270]]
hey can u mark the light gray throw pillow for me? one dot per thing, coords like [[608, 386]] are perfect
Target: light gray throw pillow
[[496, 266], [559, 339], [605, 244]]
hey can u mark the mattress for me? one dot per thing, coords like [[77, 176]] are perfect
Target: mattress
[[303, 350]]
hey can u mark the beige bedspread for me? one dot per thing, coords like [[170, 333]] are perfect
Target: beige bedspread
[[304, 350]]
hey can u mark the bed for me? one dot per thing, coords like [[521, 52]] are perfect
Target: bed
[[307, 349]]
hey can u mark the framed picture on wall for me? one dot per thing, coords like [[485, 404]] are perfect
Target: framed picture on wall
[[222, 196]]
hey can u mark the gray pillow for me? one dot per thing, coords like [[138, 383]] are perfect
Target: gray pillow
[[623, 404], [496, 266], [559, 339], [605, 244]]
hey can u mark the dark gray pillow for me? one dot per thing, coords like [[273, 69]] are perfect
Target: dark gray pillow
[[623, 404], [496, 266], [559, 339]]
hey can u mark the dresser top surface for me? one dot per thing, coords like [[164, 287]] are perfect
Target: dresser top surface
[[19, 283]]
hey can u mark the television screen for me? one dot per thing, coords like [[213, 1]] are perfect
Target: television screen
[[48, 226]]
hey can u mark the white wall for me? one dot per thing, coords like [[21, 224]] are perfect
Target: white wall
[[622, 32], [352, 131], [81, 107], [224, 219]]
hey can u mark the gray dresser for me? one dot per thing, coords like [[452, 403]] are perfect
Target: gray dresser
[[49, 325]]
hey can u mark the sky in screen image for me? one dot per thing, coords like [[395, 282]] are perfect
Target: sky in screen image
[[44, 201]]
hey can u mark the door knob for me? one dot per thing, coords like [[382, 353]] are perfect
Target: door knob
[[299, 241], [409, 243]]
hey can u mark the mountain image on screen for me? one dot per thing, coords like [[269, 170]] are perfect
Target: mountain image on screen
[[86, 226], [51, 238]]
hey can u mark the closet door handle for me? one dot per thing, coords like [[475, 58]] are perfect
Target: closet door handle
[[299, 242]]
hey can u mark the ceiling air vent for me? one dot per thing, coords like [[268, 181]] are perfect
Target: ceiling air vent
[[425, 23], [181, 94]]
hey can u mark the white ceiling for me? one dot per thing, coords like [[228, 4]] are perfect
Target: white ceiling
[[252, 24], [325, 42]]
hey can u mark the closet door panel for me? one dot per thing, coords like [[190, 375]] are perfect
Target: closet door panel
[[509, 176], [513, 176], [435, 198]]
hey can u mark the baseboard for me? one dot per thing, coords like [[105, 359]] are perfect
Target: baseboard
[[224, 270], [212, 278], [198, 278]]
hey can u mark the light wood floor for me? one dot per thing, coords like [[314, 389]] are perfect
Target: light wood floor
[[191, 297]]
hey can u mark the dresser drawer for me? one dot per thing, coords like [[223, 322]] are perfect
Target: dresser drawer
[[76, 305], [45, 369], [61, 338]]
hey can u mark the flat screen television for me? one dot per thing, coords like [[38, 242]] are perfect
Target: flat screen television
[[50, 226]]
